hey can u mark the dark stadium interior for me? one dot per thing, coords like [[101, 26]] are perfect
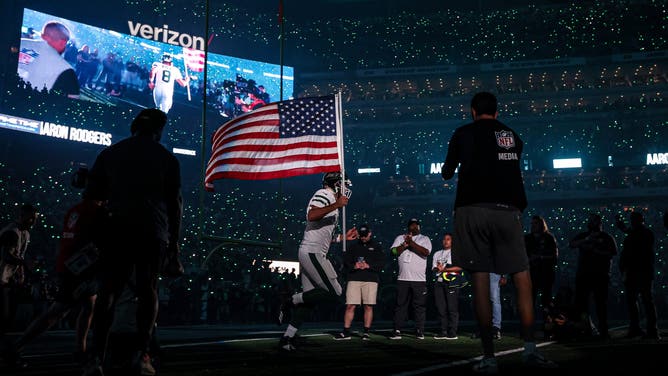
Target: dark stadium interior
[[576, 79]]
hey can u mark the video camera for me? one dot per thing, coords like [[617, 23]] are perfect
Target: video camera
[[363, 231]]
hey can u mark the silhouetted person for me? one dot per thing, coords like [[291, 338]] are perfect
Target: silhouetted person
[[636, 264], [141, 181], [596, 249], [80, 242], [542, 251], [488, 236], [14, 240]]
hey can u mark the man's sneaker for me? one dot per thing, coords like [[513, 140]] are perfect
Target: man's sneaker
[[451, 337], [342, 336], [287, 344], [419, 334], [395, 334], [496, 333], [366, 337], [441, 336], [486, 366], [142, 364], [537, 360]]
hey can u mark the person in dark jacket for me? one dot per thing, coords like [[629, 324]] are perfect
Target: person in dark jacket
[[141, 182], [363, 261], [636, 264], [543, 252], [595, 251]]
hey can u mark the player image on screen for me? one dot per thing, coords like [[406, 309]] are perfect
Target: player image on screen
[[161, 81]]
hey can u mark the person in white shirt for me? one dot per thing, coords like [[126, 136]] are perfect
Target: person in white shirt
[[412, 250], [319, 279], [42, 65]]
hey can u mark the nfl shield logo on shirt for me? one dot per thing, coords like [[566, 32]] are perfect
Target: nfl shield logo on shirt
[[505, 139]]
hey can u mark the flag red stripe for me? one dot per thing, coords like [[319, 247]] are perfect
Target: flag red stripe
[[253, 135], [218, 137], [272, 174], [273, 148], [272, 161], [232, 124]]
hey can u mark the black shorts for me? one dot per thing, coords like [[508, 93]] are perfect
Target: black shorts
[[73, 289], [488, 239]]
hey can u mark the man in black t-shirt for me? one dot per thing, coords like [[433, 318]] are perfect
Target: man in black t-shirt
[[488, 236], [363, 262], [141, 181]]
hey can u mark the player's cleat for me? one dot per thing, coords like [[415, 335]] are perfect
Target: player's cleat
[[287, 344], [366, 337]]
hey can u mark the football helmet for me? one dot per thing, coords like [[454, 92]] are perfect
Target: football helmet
[[333, 180]]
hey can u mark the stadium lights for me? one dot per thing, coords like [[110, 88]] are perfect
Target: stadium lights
[[567, 163]]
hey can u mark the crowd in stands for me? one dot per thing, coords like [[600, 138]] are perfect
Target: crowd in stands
[[233, 284], [401, 39], [531, 80]]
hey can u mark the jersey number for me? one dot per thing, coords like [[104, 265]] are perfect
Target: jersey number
[[166, 75]]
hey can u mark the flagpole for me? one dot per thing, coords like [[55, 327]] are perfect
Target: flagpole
[[281, 214], [339, 145], [185, 69], [200, 210]]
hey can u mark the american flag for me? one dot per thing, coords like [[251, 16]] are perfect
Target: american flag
[[282, 139], [194, 59]]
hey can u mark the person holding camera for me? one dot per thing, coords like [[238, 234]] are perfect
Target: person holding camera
[[412, 250], [141, 182], [363, 260]]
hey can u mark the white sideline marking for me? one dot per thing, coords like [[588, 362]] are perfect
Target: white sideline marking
[[464, 362], [177, 345]]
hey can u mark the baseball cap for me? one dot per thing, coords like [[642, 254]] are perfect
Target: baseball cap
[[413, 220], [363, 230]]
